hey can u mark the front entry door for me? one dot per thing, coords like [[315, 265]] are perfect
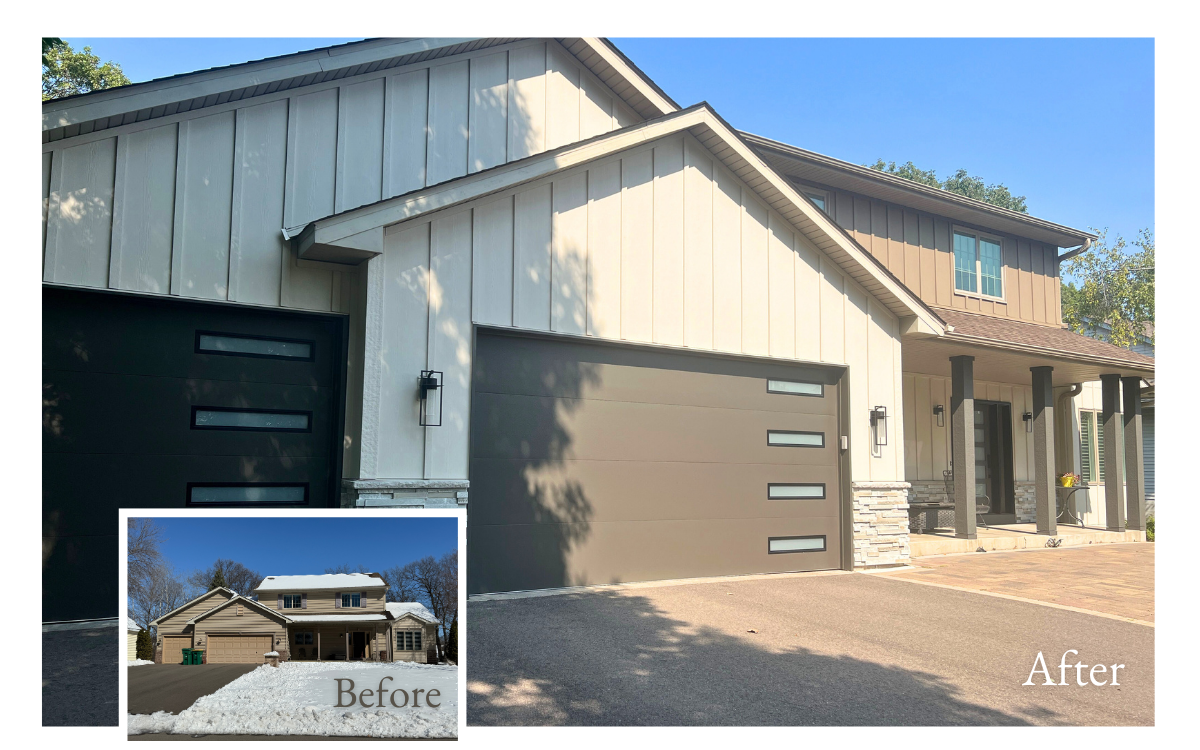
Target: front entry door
[[994, 459], [358, 645]]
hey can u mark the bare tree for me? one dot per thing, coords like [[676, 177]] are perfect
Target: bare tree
[[238, 577], [400, 587], [161, 592], [433, 582], [143, 552], [344, 568]]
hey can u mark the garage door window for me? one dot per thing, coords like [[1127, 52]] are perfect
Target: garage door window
[[795, 388], [255, 420], [777, 545], [247, 494], [796, 491], [408, 640], [244, 345], [788, 438]]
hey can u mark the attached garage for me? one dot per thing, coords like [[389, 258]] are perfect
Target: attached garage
[[237, 649], [152, 403], [600, 463], [173, 646]]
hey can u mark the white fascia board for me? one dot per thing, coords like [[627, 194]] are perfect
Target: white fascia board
[[636, 80], [142, 96]]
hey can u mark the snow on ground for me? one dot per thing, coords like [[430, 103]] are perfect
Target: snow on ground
[[302, 698], [138, 662]]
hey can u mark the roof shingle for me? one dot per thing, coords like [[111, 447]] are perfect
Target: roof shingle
[[1030, 334]]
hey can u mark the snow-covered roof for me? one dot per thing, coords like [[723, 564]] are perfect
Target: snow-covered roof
[[302, 619], [416, 609], [337, 581], [130, 625]]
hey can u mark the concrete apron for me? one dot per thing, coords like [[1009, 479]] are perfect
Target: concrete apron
[[999, 539]]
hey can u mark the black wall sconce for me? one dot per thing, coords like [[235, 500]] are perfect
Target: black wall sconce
[[939, 411], [879, 417], [431, 380], [1027, 418]]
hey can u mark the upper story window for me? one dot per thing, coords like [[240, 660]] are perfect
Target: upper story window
[[351, 600], [978, 264], [292, 601], [819, 197]]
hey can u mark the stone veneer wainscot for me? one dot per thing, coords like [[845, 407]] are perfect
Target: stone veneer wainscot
[[880, 524]]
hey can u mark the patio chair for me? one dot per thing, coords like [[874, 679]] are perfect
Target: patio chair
[[983, 504]]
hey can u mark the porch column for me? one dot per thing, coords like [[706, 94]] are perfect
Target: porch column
[[318, 644], [1043, 450], [347, 645], [1135, 481], [1114, 479], [962, 454]]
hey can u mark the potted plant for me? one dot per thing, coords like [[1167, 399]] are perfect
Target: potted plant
[[1068, 479]]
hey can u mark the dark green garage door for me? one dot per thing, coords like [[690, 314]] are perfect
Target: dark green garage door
[[596, 463], [151, 403]]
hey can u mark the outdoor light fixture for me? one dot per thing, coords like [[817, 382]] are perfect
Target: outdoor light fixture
[[879, 425], [431, 380], [1027, 417], [939, 411]]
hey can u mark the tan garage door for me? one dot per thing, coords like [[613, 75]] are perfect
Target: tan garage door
[[173, 646], [237, 649], [600, 464]]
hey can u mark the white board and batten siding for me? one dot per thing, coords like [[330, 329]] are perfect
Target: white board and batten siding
[[660, 245], [193, 205]]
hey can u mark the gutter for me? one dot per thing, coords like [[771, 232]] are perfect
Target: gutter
[[1050, 353], [1087, 245]]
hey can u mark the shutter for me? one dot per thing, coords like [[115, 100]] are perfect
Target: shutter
[[279, 601], [1087, 462], [337, 600], [1100, 446], [362, 599], [304, 601]]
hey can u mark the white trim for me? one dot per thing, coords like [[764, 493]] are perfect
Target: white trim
[[978, 235]]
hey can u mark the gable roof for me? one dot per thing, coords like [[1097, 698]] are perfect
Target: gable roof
[[69, 116], [808, 166], [413, 609], [334, 581], [203, 596], [240, 600], [360, 230]]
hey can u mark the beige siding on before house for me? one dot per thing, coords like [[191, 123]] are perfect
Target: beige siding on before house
[[917, 248], [659, 244], [321, 602], [131, 646], [177, 623]]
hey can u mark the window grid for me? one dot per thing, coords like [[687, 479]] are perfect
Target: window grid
[[990, 265], [292, 601], [351, 600], [408, 640], [303, 639], [964, 262]]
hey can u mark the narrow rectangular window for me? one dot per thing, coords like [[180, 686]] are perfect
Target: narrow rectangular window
[[789, 438], [796, 491], [246, 345], [1087, 445], [964, 262], [990, 265], [247, 494], [416, 640], [784, 544], [1099, 446], [795, 388], [257, 420]]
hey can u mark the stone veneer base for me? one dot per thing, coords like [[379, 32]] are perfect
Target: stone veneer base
[[934, 491], [880, 533], [404, 493]]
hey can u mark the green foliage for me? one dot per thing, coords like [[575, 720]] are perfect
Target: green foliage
[[66, 72], [1150, 529], [452, 642], [218, 580], [960, 182], [145, 645], [1115, 286]]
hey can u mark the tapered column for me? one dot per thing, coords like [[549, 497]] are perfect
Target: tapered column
[[1114, 478], [962, 453], [1043, 450], [1135, 468]]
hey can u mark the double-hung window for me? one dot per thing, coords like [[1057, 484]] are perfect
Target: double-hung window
[[304, 638], [351, 600], [292, 601], [1091, 446], [978, 264]]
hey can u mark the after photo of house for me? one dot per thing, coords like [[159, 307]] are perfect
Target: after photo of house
[[320, 627]]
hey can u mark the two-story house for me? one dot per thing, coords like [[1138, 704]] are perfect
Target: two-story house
[[513, 275], [331, 617]]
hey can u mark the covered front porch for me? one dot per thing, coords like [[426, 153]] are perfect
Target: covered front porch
[[994, 411], [361, 638]]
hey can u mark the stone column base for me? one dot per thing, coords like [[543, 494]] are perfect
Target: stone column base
[[880, 524], [1025, 502], [404, 493]]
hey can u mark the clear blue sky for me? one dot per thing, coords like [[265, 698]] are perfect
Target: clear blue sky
[[1069, 123], [305, 546]]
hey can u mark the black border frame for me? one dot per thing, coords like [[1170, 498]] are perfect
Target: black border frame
[[795, 432], [306, 430], [312, 346], [188, 496], [824, 490], [823, 537]]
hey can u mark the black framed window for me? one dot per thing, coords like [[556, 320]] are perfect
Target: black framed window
[[796, 388], [250, 345], [786, 545], [795, 439], [796, 491], [247, 493], [251, 420]]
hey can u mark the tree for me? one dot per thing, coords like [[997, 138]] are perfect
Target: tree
[[960, 183], [66, 72], [144, 556], [145, 645], [432, 582], [1116, 288], [228, 573], [344, 568], [163, 591]]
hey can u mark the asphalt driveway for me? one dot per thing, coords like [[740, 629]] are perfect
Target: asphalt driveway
[[844, 649], [175, 687], [79, 677]]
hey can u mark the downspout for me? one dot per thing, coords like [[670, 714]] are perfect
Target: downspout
[[1087, 244], [1065, 442]]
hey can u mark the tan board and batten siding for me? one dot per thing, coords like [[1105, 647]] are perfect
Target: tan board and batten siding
[[193, 204], [657, 244], [918, 248]]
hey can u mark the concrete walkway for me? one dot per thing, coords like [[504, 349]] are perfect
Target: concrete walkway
[[1115, 579], [849, 649], [175, 687], [1013, 537]]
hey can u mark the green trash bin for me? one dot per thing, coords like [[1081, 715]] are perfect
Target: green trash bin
[[187, 656], [197, 656]]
